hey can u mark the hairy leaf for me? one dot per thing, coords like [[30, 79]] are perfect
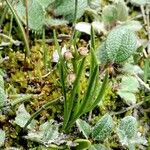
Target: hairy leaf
[[127, 130], [1, 82], [45, 3], [128, 87], [22, 116], [84, 127], [103, 128], [67, 9], [98, 147], [129, 84], [36, 13], [3, 97], [2, 137], [109, 14], [132, 25], [128, 125], [140, 2], [122, 11], [128, 97], [55, 22], [120, 44]]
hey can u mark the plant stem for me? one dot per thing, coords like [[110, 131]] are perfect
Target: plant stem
[[3, 15], [27, 52], [11, 23], [75, 12], [9, 38], [44, 107], [45, 51], [148, 26], [142, 82], [146, 69], [27, 19], [61, 66], [143, 14], [131, 107]]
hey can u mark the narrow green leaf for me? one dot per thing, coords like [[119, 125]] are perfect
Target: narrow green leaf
[[146, 70], [25, 39], [73, 92], [101, 92]]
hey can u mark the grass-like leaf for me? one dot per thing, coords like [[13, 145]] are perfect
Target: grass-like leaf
[[22, 31]]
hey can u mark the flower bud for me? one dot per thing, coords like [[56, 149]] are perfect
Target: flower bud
[[71, 78], [83, 51], [68, 55]]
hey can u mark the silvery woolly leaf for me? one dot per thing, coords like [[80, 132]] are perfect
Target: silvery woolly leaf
[[139, 139], [83, 27], [55, 22], [84, 127], [129, 84], [128, 133], [86, 27], [128, 87], [67, 9], [122, 10], [140, 2], [99, 27], [128, 97], [22, 117], [2, 137], [47, 133], [50, 132], [109, 14], [36, 14], [120, 44], [132, 25], [3, 97], [98, 147], [132, 69], [103, 128], [45, 3], [1, 82], [95, 4], [128, 127]]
